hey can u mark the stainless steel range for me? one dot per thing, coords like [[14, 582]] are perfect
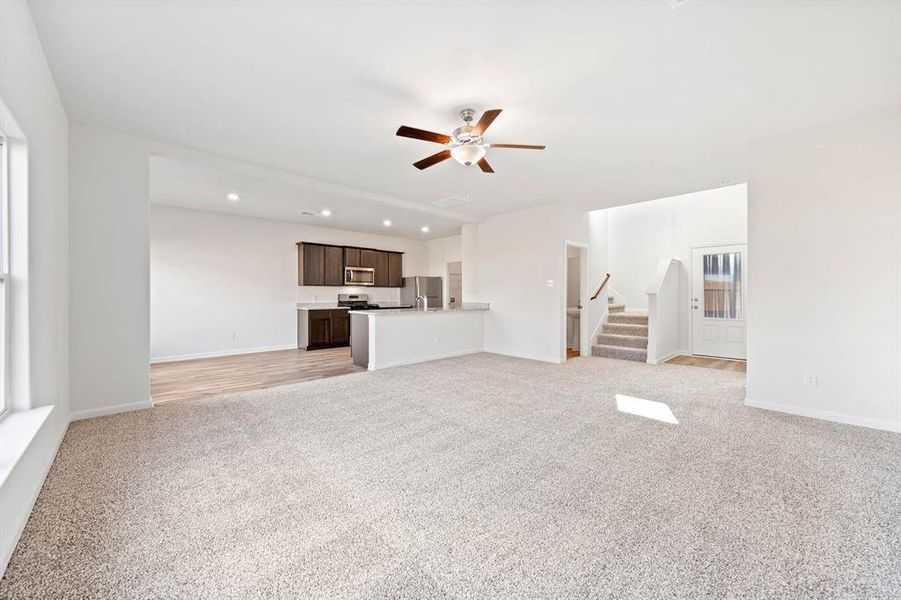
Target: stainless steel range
[[361, 302]]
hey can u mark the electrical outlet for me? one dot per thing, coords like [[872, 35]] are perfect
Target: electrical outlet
[[230, 335], [550, 283], [810, 379]]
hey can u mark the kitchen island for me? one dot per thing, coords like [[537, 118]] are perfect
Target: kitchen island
[[389, 338]]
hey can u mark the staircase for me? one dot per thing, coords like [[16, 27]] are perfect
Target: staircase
[[624, 336]]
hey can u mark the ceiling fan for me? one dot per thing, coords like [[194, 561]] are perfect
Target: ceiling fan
[[466, 146]]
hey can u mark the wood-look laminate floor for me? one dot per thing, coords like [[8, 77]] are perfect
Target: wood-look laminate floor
[[203, 377], [723, 364], [570, 353]]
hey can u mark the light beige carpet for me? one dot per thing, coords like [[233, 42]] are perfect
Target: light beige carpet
[[476, 477]]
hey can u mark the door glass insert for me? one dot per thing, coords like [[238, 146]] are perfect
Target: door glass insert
[[723, 279]]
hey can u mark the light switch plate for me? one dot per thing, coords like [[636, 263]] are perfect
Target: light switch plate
[[550, 283]]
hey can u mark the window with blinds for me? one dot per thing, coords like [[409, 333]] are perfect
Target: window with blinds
[[723, 280]]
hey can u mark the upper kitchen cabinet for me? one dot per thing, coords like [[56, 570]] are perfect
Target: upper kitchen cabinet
[[323, 264], [381, 269], [395, 269], [334, 265], [319, 264], [352, 257]]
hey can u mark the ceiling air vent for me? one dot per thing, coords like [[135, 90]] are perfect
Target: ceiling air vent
[[449, 202], [306, 213]]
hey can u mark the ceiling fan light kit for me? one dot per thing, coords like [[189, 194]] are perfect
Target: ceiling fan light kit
[[468, 154], [465, 143]]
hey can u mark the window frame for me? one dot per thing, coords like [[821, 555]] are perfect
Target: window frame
[[4, 276]]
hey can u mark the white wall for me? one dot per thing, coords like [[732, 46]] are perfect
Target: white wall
[[518, 253], [640, 235], [825, 287], [29, 93], [212, 274], [598, 267], [110, 271]]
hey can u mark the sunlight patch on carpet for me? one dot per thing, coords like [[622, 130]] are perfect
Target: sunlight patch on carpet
[[645, 408]]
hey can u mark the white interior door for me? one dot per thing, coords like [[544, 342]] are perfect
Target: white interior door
[[718, 292]]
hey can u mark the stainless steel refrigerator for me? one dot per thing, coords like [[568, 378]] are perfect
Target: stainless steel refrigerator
[[430, 287]]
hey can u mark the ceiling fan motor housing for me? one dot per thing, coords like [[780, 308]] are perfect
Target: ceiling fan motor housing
[[466, 135]]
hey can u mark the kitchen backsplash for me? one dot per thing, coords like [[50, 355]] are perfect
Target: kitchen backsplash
[[313, 293]]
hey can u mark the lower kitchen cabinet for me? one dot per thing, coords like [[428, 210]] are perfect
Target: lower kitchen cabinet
[[322, 328]]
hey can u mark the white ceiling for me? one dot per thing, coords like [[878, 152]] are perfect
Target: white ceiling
[[197, 184], [635, 100]]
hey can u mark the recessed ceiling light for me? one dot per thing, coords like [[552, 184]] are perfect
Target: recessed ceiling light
[[233, 197], [387, 222], [326, 213], [425, 229]]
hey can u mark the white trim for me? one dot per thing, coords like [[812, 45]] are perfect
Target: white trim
[[669, 356], [584, 313], [600, 325], [715, 244], [548, 359], [180, 357], [825, 415], [25, 509], [412, 361], [109, 410]]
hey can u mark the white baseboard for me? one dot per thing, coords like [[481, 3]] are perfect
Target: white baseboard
[[663, 359], [400, 363], [109, 410], [826, 415], [218, 353], [548, 359]]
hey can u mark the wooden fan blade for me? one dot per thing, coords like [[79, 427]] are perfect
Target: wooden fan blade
[[486, 168], [520, 146], [422, 134], [488, 117], [434, 159]]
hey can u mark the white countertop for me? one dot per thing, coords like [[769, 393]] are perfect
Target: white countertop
[[319, 306], [416, 312], [334, 306]]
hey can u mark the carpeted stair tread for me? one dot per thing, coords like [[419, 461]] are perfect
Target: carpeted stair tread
[[634, 354], [623, 341], [616, 308], [624, 317], [626, 329]]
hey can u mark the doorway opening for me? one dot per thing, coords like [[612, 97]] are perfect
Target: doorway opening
[[454, 284], [574, 301]]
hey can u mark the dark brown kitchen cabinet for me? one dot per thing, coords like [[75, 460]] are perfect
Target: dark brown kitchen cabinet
[[340, 327], [352, 257], [395, 269], [326, 328], [311, 264], [323, 264], [334, 265], [381, 269], [319, 264], [368, 258], [320, 328]]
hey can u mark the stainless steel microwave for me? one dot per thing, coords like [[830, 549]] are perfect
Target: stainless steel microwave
[[359, 276]]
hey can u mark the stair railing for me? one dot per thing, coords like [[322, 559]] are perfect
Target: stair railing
[[600, 287]]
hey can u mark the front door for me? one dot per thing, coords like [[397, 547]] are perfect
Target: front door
[[718, 293]]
